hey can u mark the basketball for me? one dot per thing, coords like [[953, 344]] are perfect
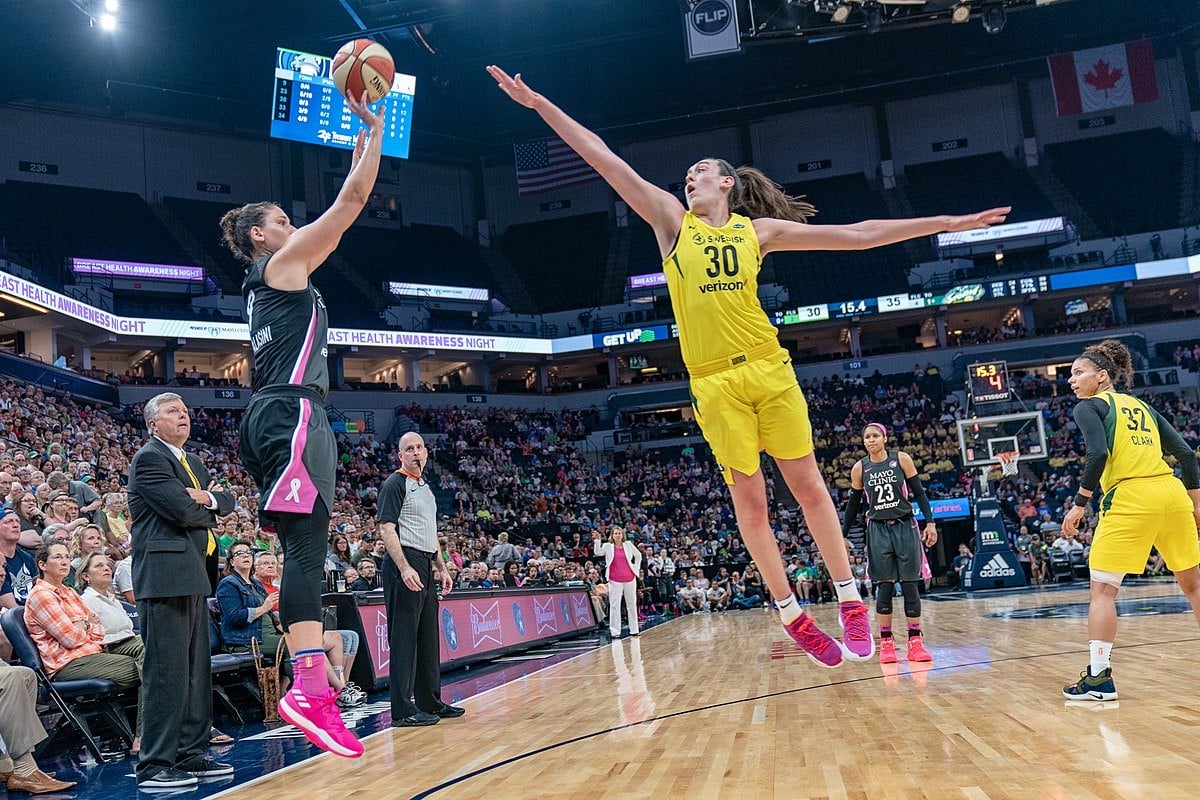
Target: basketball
[[363, 65]]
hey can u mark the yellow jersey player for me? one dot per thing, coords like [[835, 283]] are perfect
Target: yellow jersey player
[[1142, 504], [743, 386]]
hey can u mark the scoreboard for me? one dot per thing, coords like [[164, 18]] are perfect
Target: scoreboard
[[988, 382], [308, 108]]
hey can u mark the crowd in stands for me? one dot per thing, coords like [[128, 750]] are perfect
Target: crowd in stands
[[1187, 357]]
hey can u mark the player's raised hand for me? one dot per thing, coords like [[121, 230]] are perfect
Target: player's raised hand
[[514, 87], [984, 219]]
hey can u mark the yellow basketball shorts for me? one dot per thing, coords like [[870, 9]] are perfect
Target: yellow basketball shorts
[[1143, 512], [749, 408]]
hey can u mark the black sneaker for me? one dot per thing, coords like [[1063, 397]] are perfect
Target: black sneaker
[[450, 712], [205, 767], [417, 720], [1092, 687], [167, 778]]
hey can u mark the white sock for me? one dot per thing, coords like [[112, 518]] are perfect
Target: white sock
[[1100, 654], [789, 609], [847, 591]]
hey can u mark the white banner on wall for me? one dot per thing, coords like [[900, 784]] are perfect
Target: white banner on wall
[[712, 28]]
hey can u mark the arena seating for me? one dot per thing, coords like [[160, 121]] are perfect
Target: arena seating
[[561, 261], [974, 183], [45, 224], [202, 218], [1127, 182], [821, 277]]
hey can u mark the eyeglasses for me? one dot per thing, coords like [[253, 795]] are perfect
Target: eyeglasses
[[239, 554]]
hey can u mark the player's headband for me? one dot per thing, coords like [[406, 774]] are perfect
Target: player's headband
[[1103, 362], [878, 425]]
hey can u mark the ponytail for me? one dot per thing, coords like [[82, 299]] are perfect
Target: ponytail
[[236, 225], [756, 195]]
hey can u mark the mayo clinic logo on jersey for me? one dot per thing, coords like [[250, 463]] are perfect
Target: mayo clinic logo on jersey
[[543, 616], [448, 629], [519, 619], [710, 17], [485, 624]]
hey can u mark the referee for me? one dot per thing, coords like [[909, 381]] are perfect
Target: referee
[[411, 572]]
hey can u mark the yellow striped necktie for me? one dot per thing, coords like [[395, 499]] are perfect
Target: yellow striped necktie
[[212, 540]]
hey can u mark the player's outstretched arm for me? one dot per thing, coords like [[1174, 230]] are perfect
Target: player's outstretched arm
[[778, 234], [308, 247], [658, 207]]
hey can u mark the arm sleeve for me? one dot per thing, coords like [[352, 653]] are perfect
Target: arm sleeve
[[1175, 445], [853, 509], [1090, 420], [918, 491]]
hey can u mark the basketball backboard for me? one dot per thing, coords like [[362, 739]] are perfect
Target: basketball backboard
[[981, 440]]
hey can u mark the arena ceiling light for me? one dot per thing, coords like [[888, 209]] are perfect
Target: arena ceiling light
[[960, 13], [841, 13]]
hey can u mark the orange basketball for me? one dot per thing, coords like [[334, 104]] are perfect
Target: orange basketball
[[363, 65]]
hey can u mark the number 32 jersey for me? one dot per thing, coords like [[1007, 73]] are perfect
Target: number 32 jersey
[[1134, 441], [712, 277]]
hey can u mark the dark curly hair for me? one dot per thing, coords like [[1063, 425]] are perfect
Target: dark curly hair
[[236, 225]]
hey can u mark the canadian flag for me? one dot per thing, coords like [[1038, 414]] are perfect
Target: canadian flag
[[1103, 77]]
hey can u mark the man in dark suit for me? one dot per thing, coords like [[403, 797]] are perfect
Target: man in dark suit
[[172, 520]]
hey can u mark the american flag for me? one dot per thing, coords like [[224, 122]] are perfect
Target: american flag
[[549, 164]]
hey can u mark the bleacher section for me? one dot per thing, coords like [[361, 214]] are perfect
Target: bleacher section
[[561, 261], [817, 277], [43, 225], [1127, 182], [974, 183], [417, 253], [202, 219]]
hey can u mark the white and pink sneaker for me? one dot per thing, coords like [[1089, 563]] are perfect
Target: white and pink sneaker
[[318, 718]]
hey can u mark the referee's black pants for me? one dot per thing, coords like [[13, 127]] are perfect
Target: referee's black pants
[[412, 621]]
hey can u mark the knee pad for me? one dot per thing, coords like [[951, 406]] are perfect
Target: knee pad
[[883, 597], [912, 599], [1111, 578]]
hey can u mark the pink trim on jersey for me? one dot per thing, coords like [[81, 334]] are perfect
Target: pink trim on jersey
[[299, 493], [306, 350]]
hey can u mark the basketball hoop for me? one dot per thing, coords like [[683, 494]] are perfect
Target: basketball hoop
[[1009, 463]]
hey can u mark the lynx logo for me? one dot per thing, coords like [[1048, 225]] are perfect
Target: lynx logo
[[324, 135], [381, 639], [543, 616], [519, 619], [635, 336], [448, 629], [710, 17], [485, 624], [997, 568]]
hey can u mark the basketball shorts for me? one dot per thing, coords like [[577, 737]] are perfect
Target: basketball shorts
[[754, 406], [287, 446], [1140, 513], [894, 551]]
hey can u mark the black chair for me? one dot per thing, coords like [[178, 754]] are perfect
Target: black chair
[[229, 670], [1079, 566], [78, 701], [1060, 565]]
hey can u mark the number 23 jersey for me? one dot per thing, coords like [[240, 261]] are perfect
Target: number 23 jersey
[[712, 277]]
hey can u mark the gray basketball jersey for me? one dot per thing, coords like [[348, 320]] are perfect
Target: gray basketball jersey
[[883, 483], [288, 333]]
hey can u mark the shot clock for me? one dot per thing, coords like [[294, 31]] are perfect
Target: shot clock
[[988, 382]]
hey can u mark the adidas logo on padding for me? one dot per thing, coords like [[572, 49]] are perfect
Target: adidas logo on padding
[[997, 568]]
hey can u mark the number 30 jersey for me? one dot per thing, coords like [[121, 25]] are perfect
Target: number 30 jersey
[[884, 486], [712, 277]]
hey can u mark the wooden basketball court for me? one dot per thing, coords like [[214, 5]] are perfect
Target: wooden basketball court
[[721, 706]]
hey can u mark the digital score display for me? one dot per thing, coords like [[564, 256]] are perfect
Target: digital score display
[[308, 107], [988, 383]]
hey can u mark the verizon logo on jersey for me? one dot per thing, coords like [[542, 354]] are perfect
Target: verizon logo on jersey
[[721, 286]]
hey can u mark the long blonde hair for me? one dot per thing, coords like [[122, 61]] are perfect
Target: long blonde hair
[[756, 195]]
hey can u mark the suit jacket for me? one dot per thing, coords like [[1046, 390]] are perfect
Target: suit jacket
[[632, 555], [169, 528]]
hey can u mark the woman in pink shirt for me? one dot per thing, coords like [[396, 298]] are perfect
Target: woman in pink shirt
[[622, 565]]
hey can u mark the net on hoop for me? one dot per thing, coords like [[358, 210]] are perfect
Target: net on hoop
[[1009, 462]]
